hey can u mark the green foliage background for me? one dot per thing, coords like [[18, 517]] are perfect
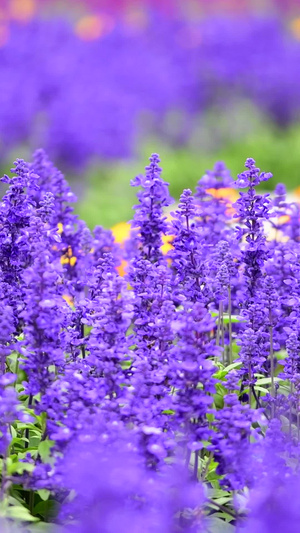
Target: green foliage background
[[108, 199]]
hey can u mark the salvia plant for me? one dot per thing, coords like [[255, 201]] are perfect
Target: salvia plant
[[163, 397]]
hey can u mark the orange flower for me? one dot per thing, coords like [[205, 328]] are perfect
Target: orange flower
[[121, 232], [224, 192], [67, 258], [92, 27], [283, 219], [60, 228], [22, 10], [295, 27], [167, 246], [69, 300], [121, 269]]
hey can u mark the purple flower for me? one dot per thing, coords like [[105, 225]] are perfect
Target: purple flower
[[149, 219], [8, 410], [191, 374], [273, 505], [16, 210], [233, 425], [43, 316], [7, 328], [112, 488], [186, 256]]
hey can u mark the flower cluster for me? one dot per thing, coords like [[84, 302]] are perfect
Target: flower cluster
[[162, 397]]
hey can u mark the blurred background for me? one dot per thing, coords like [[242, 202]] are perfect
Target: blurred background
[[100, 84]]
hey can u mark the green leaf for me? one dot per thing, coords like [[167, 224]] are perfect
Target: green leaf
[[126, 364], [14, 434], [224, 371], [282, 354], [234, 318], [233, 366], [261, 389], [19, 468], [267, 381], [12, 360], [223, 500], [44, 448], [221, 389], [28, 425], [220, 375], [47, 509], [43, 494], [212, 476], [218, 401], [33, 452], [20, 513], [217, 525], [19, 440], [42, 527], [217, 493]]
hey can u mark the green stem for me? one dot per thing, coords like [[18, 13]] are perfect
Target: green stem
[[82, 346], [220, 330], [250, 388], [31, 501], [27, 432], [188, 456], [222, 325], [196, 465], [3, 478], [222, 508], [206, 468]]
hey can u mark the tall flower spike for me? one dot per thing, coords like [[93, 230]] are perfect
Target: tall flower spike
[[124, 496], [231, 442], [153, 336], [191, 374], [7, 329], [291, 372], [190, 276], [252, 210], [292, 362], [214, 200], [63, 221], [16, 210], [9, 412], [43, 318], [273, 504], [149, 219], [110, 316], [51, 180]]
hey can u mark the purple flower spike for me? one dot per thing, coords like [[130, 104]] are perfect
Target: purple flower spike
[[149, 219]]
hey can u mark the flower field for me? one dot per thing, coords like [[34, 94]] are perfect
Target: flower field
[[163, 76], [149, 385]]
